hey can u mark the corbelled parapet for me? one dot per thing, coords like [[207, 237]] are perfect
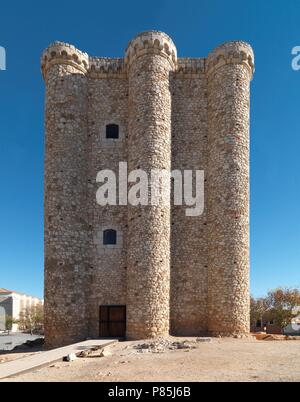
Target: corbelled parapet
[[154, 42], [63, 53], [190, 66], [236, 52], [105, 67]]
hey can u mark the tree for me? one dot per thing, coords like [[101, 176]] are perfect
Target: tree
[[258, 310], [9, 321], [32, 319], [283, 305]]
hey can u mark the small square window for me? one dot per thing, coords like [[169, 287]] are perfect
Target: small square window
[[110, 237], [112, 131]]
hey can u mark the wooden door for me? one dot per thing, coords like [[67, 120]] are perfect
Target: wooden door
[[112, 323]]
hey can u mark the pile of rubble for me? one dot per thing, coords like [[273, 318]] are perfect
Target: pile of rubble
[[38, 342], [272, 337], [163, 345], [97, 351]]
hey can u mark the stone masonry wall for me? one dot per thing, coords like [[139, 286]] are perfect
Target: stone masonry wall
[[189, 234], [109, 264]]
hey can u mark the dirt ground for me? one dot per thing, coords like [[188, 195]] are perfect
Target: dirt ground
[[8, 356], [213, 360]]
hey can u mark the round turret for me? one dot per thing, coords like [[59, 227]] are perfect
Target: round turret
[[151, 42], [63, 53], [236, 52], [229, 71], [66, 228], [150, 59]]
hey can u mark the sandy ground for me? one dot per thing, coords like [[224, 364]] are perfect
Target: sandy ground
[[218, 360]]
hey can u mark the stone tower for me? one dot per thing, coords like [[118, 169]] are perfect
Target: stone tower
[[229, 71], [161, 271], [150, 58], [66, 222]]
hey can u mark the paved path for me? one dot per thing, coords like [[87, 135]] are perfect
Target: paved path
[[28, 363]]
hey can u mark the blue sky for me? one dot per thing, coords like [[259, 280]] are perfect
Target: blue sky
[[104, 29]]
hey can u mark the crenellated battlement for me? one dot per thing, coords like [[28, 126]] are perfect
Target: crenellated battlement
[[190, 66], [64, 53], [236, 52], [103, 67], [154, 42]]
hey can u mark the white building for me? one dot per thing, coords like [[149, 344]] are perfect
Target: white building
[[294, 327], [12, 303]]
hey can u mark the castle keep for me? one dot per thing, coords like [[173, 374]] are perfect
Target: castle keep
[[146, 271]]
